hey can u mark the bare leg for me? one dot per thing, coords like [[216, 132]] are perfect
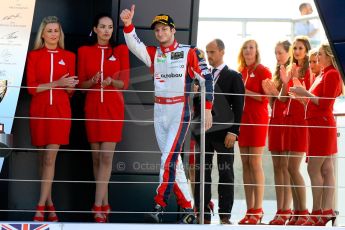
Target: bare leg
[[278, 179], [284, 163], [297, 180], [47, 176], [316, 179], [248, 189], [104, 172], [96, 155], [329, 184], [257, 175]]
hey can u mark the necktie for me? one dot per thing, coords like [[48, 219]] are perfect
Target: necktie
[[214, 71]]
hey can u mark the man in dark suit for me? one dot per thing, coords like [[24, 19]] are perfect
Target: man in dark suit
[[227, 108]]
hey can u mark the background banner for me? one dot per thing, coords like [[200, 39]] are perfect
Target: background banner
[[15, 28]]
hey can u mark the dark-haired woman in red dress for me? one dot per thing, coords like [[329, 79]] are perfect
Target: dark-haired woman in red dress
[[295, 138], [103, 68]]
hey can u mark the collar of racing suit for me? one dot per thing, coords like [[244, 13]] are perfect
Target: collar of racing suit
[[170, 48]]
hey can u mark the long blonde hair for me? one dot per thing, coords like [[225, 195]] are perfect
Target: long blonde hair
[[328, 51], [240, 59], [39, 41]]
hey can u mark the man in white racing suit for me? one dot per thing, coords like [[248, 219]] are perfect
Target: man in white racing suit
[[174, 66]]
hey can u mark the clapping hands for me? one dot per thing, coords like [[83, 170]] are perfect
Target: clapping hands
[[67, 81], [270, 87]]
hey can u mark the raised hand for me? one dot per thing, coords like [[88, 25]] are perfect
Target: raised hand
[[269, 87], [294, 70], [127, 15], [285, 75]]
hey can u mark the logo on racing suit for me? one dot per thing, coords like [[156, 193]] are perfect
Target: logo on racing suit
[[136, 38], [161, 58], [177, 55], [171, 75]]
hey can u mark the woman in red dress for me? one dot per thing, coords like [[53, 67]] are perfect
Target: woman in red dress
[[253, 130], [322, 129], [103, 69], [276, 137], [295, 140], [50, 77]]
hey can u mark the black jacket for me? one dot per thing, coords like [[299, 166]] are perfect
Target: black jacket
[[226, 108]]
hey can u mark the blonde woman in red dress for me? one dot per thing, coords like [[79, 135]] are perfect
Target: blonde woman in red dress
[[103, 68], [50, 77], [322, 129], [253, 129]]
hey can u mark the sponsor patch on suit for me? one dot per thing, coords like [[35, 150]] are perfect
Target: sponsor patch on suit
[[177, 55]]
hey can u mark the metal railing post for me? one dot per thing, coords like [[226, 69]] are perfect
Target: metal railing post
[[202, 154]]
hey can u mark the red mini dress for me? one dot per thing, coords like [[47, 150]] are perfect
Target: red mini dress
[[276, 130], [45, 66], [322, 140], [295, 138], [254, 124], [104, 110]]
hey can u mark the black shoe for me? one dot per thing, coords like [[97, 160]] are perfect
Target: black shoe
[[188, 217], [156, 216]]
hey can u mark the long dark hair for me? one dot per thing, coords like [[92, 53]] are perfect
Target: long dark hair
[[305, 67], [93, 35]]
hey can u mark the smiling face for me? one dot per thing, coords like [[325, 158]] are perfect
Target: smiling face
[[164, 34], [51, 35], [104, 30]]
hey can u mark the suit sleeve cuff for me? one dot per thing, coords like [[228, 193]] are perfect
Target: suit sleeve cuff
[[233, 134], [208, 105], [128, 29]]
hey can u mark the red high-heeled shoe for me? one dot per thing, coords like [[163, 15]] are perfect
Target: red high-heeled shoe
[[211, 207], [255, 216], [313, 218], [106, 211], [246, 217], [283, 216], [52, 217], [98, 214], [326, 216], [303, 217], [293, 217], [39, 209], [275, 217]]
